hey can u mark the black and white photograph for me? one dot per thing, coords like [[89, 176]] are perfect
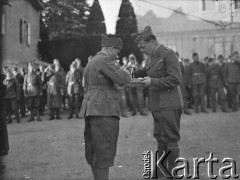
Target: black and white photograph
[[119, 89]]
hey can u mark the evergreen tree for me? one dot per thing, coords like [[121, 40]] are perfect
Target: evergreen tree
[[65, 18], [96, 20], [127, 22]]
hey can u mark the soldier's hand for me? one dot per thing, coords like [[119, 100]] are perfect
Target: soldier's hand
[[146, 81]]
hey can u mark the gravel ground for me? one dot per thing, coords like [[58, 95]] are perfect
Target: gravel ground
[[50, 150]]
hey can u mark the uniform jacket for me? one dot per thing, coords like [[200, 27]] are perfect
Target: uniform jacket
[[164, 70], [197, 73], [232, 72], [54, 90], [32, 85], [74, 83], [215, 76], [100, 76], [12, 88]]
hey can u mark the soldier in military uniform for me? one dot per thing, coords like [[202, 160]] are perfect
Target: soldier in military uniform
[[11, 96], [74, 89], [232, 79], [21, 101], [215, 81], [163, 75], [100, 107], [32, 87], [80, 70], [197, 75], [135, 89]]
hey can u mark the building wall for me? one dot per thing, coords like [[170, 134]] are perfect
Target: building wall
[[14, 51], [205, 43]]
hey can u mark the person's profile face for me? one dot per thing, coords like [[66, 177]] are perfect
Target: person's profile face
[[115, 51], [145, 47]]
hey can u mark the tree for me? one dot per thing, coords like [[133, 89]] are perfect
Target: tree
[[127, 22], [96, 20], [64, 18]]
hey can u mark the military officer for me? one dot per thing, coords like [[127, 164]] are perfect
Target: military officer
[[100, 107], [32, 87], [232, 79], [197, 75], [163, 75], [216, 83]]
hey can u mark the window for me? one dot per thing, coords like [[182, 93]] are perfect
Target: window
[[25, 32], [208, 5]]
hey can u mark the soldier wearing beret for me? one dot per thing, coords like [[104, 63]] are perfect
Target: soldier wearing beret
[[32, 87], [162, 75], [100, 107]]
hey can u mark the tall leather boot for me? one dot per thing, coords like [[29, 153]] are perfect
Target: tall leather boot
[[102, 173], [58, 114], [38, 114], [214, 105], [162, 148], [94, 172], [171, 161]]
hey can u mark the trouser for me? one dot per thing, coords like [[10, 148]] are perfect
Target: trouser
[[222, 95], [11, 106], [101, 136], [33, 103], [74, 104], [136, 98], [198, 91], [56, 110], [233, 88], [43, 101], [167, 134]]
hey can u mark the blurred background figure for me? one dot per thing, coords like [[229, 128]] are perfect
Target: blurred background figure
[[197, 75], [215, 80], [135, 89], [11, 97], [21, 102]]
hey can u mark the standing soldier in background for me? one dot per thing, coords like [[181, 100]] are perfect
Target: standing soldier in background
[[74, 89], [54, 98], [80, 70], [11, 96], [136, 89], [32, 88], [21, 101], [197, 75], [163, 75], [100, 107], [215, 81], [232, 79]]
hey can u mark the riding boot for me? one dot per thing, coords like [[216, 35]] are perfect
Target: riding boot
[[17, 116], [102, 173], [94, 172], [38, 114], [171, 161], [224, 106], [196, 105]]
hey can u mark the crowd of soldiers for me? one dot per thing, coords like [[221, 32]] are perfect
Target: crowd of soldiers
[[39, 86], [207, 84]]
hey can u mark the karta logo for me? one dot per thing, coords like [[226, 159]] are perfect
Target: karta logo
[[155, 162]]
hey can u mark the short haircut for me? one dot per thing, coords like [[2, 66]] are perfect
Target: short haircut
[[195, 54], [149, 38], [236, 52], [220, 57], [210, 59]]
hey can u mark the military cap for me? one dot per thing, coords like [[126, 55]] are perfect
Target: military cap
[[111, 42], [142, 35]]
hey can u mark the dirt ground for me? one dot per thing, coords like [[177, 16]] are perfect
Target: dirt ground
[[50, 150]]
